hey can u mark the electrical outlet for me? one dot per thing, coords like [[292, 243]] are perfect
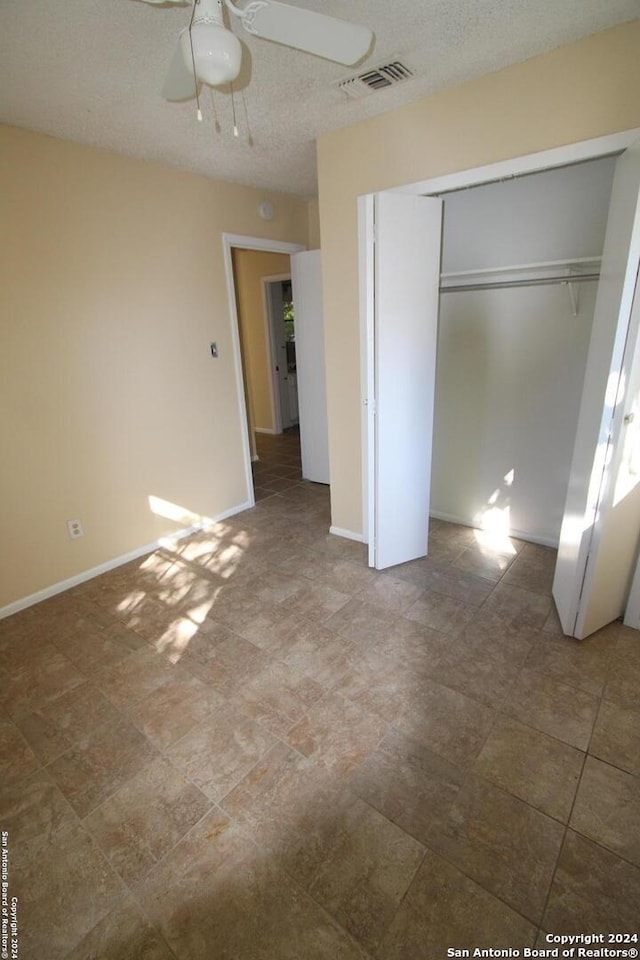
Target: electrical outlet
[[74, 529]]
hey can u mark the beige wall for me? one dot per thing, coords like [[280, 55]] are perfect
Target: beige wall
[[113, 285], [584, 90], [313, 212], [250, 266]]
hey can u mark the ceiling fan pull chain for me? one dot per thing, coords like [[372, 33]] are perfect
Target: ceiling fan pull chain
[[233, 108]]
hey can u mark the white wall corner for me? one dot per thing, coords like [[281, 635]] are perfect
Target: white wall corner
[[347, 534]]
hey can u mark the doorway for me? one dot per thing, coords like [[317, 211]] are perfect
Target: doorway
[[306, 286], [231, 242], [278, 468], [280, 315], [262, 367]]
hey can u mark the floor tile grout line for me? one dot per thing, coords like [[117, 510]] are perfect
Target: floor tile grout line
[[121, 711], [574, 829], [409, 885], [614, 766], [288, 745], [460, 869], [80, 824], [602, 700], [553, 676], [527, 803], [470, 772], [216, 804], [130, 890], [530, 726], [601, 846], [117, 789], [306, 889], [562, 844]]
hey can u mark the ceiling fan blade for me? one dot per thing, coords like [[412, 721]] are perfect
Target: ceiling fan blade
[[179, 83], [305, 30]]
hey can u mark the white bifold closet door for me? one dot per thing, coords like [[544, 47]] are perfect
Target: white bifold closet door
[[407, 238], [599, 536], [306, 281]]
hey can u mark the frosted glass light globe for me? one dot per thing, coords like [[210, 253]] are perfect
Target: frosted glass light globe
[[216, 51]]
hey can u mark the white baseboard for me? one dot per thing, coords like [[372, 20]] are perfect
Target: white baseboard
[[513, 532], [268, 430], [254, 458], [79, 578], [347, 534]]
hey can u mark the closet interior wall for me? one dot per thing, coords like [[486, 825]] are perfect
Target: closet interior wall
[[511, 362]]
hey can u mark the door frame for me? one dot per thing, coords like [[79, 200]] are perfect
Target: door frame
[[632, 613], [231, 241], [475, 176], [272, 353]]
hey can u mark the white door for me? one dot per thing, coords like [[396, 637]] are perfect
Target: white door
[[599, 535], [286, 413], [407, 238], [306, 278]]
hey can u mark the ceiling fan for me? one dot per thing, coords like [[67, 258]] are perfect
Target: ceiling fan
[[208, 52]]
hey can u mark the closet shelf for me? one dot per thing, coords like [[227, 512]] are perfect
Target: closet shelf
[[568, 273], [566, 265]]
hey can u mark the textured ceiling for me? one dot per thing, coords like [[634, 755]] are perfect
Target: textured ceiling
[[91, 71]]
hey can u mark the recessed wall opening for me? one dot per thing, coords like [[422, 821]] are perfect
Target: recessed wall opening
[[259, 276], [499, 332], [275, 301], [513, 338]]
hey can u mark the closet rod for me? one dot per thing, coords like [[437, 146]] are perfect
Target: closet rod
[[502, 284]]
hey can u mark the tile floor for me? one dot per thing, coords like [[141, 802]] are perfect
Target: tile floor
[[251, 746]]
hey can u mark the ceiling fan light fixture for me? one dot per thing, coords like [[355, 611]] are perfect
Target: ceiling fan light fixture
[[217, 53]]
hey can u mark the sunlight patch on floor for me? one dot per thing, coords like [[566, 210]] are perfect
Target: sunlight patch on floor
[[176, 638], [494, 521]]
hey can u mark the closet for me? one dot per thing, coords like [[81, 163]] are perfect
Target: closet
[[513, 338], [501, 367]]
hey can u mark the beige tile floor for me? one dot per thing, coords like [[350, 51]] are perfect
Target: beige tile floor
[[251, 746]]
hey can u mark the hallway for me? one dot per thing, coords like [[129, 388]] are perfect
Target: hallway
[[278, 467]]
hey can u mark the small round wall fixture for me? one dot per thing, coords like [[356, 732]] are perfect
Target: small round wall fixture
[[266, 210]]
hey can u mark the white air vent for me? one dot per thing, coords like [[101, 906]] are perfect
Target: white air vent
[[375, 78]]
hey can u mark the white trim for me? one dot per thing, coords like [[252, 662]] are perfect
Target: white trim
[[366, 231], [229, 242], [268, 430], [79, 578], [347, 534], [530, 163], [513, 531]]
